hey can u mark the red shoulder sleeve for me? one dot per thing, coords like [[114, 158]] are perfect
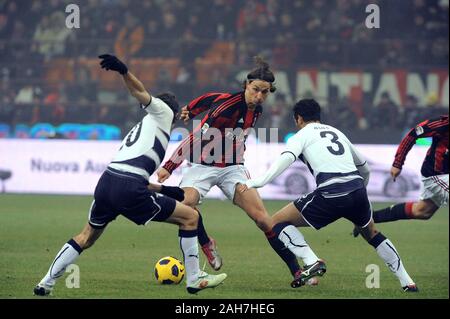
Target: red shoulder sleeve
[[203, 103]]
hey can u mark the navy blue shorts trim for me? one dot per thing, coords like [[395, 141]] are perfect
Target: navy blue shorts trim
[[127, 196], [319, 211]]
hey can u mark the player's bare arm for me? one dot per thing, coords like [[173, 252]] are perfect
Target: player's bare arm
[[134, 86]]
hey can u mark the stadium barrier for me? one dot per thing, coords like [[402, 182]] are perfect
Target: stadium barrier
[[64, 130], [74, 167]]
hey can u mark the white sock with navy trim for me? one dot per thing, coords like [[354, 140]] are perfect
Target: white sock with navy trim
[[189, 247], [386, 250], [66, 256], [295, 242]]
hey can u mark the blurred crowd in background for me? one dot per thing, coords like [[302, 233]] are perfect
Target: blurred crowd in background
[[49, 72]]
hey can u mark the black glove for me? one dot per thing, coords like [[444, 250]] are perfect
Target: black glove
[[111, 62], [173, 192]]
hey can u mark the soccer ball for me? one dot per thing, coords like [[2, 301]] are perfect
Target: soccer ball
[[169, 270]]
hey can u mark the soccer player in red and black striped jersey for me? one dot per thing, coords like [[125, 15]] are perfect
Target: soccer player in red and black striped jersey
[[434, 173], [217, 159]]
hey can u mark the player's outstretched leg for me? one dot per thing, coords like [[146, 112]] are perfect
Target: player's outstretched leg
[[196, 280], [208, 244], [252, 204], [286, 220], [393, 213], [293, 239], [66, 256], [285, 254], [423, 209], [389, 214], [386, 250]]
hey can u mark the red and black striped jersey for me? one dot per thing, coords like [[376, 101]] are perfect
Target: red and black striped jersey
[[232, 119], [436, 160]]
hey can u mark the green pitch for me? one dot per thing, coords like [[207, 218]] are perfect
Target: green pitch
[[120, 264]]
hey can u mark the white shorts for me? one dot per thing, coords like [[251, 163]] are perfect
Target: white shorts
[[204, 177], [435, 188]]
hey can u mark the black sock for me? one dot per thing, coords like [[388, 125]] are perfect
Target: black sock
[[377, 240], [202, 235], [392, 213], [285, 254]]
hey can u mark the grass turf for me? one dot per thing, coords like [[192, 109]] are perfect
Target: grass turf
[[120, 265]]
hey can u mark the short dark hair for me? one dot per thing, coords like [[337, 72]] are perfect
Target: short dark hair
[[261, 72], [170, 99], [308, 109]]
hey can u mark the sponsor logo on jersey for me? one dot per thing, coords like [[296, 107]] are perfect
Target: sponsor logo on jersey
[[205, 127], [419, 130]]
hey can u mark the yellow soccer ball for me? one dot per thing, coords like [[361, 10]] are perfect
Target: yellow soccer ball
[[169, 270]]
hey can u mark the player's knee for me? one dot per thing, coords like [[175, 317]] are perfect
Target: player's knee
[[190, 201], [424, 211], [191, 197]]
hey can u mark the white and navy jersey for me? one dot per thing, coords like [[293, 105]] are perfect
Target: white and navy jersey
[[330, 157], [144, 147]]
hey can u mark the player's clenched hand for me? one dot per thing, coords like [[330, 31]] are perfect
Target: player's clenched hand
[[184, 114], [395, 172], [111, 62], [163, 175]]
